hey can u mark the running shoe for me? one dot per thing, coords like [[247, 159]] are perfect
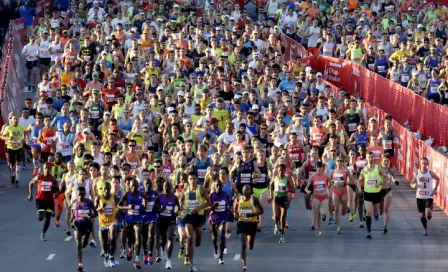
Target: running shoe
[[216, 255], [361, 225], [312, 228], [294, 195], [258, 228], [35, 171], [168, 264], [17, 183], [369, 235], [354, 213], [339, 230], [80, 268], [42, 237], [275, 230], [282, 239], [425, 233], [385, 230], [92, 243], [158, 259], [221, 261], [129, 255], [321, 234], [57, 223], [225, 251], [68, 233], [331, 221], [102, 253], [186, 261], [123, 254], [350, 219], [193, 268], [111, 262], [244, 269], [150, 260], [137, 264], [145, 260], [377, 217], [180, 255], [324, 218], [24, 167], [228, 235], [106, 262]]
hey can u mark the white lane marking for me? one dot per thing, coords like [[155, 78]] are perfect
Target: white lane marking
[[237, 257], [68, 238], [50, 257]]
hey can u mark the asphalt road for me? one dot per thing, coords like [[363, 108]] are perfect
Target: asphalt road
[[404, 248]]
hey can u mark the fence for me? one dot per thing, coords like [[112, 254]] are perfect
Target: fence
[[393, 99], [12, 68]]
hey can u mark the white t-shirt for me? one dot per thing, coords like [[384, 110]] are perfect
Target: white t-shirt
[[27, 122], [312, 40], [227, 138], [31, 50]]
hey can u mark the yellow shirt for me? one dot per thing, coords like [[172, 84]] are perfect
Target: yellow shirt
[[17, 134], [108, 215], [399, 54], [245, 207], [223, 117]]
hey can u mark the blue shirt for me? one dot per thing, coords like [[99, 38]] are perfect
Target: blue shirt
[[59, 121], [27, 14], [243, 106], [287, 85]]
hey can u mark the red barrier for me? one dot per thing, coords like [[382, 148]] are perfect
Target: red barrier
[[293, 49], [429, 118], [19, 28]]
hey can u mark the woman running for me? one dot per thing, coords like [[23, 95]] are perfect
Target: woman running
[[352, 191], [386, 191], [340, 178], [220, 210], [319, 182], [280, 187]]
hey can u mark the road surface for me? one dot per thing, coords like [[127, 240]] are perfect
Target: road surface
[[404, 248]]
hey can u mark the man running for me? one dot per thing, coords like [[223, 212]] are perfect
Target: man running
[[132, 202], [83, 212], [106, 206], [14, 134], [149, 221], [424, 181], [47, 187], [195, 200], [371, 178], [219, 215], [247, 208]]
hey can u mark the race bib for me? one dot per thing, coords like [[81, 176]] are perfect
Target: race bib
[[65, 146], [108, 209], [15, 144], [244, 213], [46, 186], [423, 192], [352, 127], [95, 114], [319, 186], [193, 204], [279, 187], [201, 173], [84, 213], [381, 69], [149, 206], [135, 211], [387, 144], [221, 206], [372, 182], [110, 98], [245, 178], [338, 178], [167, 212]]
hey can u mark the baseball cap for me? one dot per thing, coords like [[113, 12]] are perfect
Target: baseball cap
[[95, 91], [180, 93], [237, 96], [314, 90], [86, 130], [373, 118], [95, 74], [106, 113], [319, 74], [255, 107], [214, 120], [419, 26]]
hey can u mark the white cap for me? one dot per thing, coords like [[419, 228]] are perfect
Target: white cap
[[232, 19], [106, 113], [180, 93], [237, 96], [308, 68], [160, 87], [245, 92], [419, 26], [134, 29], [170, 109], [359, 27], [319, 74], [373, 118], [86, 130], [362, 19], [159, 20], [255, 107], [208, 50]]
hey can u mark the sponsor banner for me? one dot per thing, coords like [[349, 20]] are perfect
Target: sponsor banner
[[19, 29], [293, 49]]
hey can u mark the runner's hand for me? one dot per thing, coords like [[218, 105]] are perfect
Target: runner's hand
[[30, 197], [194, 211]]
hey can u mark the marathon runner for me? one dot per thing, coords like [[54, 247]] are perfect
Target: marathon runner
[[15, 135], [221, 203], [320, 183]]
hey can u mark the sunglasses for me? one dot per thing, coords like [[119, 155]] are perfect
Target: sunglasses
[[131, 145], [157, 166]]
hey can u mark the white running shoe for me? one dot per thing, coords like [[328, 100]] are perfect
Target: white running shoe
[[225, 251], [111, 262], [276, 230], [228, 235], [168, 264], [92, 243], [216, 255]]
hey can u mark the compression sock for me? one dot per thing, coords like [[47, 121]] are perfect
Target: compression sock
[[424, 222], [17, 172], [368, 223]]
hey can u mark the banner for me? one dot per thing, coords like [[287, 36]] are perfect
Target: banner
[[293, 49], [19, 29], [429, 118]]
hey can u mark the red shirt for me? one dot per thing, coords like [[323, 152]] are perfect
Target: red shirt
[[110, 96], [46, 187]]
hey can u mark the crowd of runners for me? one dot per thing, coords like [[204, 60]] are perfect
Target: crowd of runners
[[153, 121]]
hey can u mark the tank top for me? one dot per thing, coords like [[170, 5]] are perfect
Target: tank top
[[317, 135], [310, 169], [193, 200], [58, 170], [34, 135], [95, 111], [352, 120], [405, 77], [148, 215], [119, 110], [100, 185], [339, 177], [76, 185], [433, 62], [134, 215], [370, 62], [47, 137], [44, 49], [244, 175], [295, 152], [278, 141], [83, 211], [45, 187], [425, 185], [328, 49], [244, 208], [395, 75], [197, 91], [79, 161], [382, 66], [228, 189], [201, 169], [356, 55], [136, 108], [323, 113], [320, 184], [371, 178], [280, 186], [69, 179], [220, 213], [361, 139], [109, 213], [388, 143], [433, 85], [252, 130], [64, 143], [169, 204]]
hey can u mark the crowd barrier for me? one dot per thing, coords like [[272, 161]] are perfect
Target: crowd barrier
[[429, 118], [12, 66], [392, 98]]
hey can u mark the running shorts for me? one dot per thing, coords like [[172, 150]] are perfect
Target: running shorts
[[164, 222], [375, 198], [281, 200], [83, 228], [46, 205], [14, 156], [195, 220], [45, 61], [259, 192], [384, 192], [31, 64], [423, 204], [248, 228]]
